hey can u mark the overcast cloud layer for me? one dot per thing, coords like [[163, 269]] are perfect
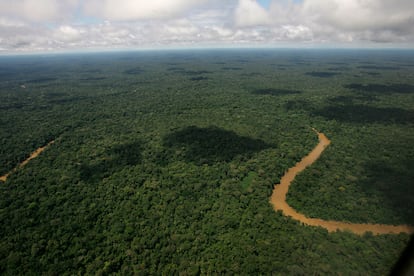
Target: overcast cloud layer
[[50, 25]]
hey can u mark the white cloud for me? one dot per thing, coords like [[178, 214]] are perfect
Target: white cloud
[[37, 10], [139, 9], [68, 33], [67, 24], [250, 13], [222, 31], [181, 27], [285, 12], [10, 23], [332, 20], [359, 14], [299, 32]]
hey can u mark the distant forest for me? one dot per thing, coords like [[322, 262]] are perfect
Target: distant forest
[[163, 162]]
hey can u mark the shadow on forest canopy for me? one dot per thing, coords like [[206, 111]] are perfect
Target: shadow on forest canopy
[[347, 109], [198, 78], [365, 114], [348, 100], [212, 144], [115, 159], [184, 72], [134, 71], [275, 91], [298, 105], [381, 88], [322, 74], [394, 184], [377, 67]]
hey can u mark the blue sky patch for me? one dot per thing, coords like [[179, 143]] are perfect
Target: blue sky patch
[[264, 3]]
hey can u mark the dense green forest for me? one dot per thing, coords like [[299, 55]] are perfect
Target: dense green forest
[[164, 161]]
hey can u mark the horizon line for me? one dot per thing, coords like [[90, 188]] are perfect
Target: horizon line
[[206, 48]]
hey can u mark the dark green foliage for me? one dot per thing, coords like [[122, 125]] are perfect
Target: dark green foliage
[[175, 69], [366, 114], [191, 72], [321, 74], [298, 105], [275, 92], [134, 71], [40, 80], [93, 79], [231, 68], [212, 144], [367, 179], [405, 262], [373, 73], [247, 181], [339, 68], [116, 158], [354, 99], [376, 67], [198, 78], [381, 88], [152, 172]]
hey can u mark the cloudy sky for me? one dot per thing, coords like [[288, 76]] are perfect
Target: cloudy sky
[[70, 25]]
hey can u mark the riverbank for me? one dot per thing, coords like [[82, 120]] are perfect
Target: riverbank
[[27, 160], [278, 200]]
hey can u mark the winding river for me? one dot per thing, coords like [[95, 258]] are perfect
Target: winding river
[[278, 200]]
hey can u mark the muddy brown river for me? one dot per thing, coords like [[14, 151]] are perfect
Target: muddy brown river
[[278, 200], [32, 155]]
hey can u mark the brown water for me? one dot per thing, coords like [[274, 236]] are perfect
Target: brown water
[[33, 155], [278, 200]]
